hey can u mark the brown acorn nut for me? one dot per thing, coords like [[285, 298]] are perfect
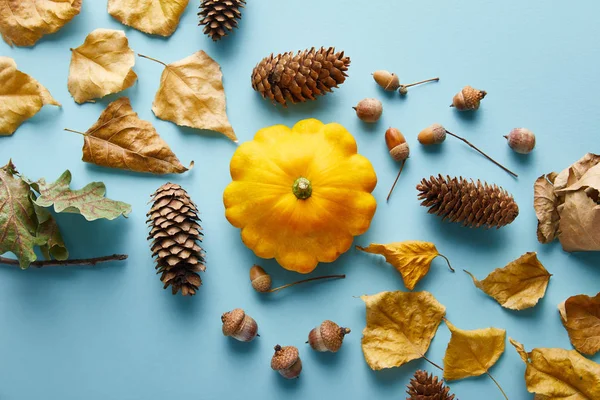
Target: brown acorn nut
[[328, 336], [468, 99], [433, 134], [521, 140], [261, 281], [387, 80], [286, 361], [399, 150], [239, 326], [369, 110]]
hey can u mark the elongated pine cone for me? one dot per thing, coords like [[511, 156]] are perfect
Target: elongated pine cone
[[472, 204], [175, 233], [298, 78], [219, 17], [425, 386]]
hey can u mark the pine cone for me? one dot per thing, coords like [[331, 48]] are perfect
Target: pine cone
[[424, 386], [175, 233], [472, 204], [297, 78], [220, 16]]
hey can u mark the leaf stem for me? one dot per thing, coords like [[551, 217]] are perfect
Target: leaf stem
[[448, 261], [71, 130], [67, 263], [306, 280], [497, 384], [432, 363], [482, 153], [420, 82], [153, 59], [394, 185]]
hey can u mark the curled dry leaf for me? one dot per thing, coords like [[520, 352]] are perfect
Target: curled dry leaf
[[545, 204], [412, 258], [49, 232], [21, 96], [581, 317], [24, 22], [559, 374], [102, 65], [519, 285], [400, 327], [191, 94], [156, 17], [120, 139]]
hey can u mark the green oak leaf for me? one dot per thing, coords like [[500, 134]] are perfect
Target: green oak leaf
[[49, 232]]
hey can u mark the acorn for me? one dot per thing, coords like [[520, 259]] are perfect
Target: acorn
[[286, 361], [369, 110], [327, 337], [239, 326], [433, 134], [399, 150], [468, 99], [521, 140], [387, 80], [261, 281]]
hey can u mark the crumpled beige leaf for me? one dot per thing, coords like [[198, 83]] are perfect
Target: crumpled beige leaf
[[21, 96], [102, 65], [558, 374], [546, 204], [156, 17], [400, 327], [519, 285], [581, 317], [24, 22], [191, 94], [120, 139], [412, 258]]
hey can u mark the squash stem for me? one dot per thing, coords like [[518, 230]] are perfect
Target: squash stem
[[306, 280], [302, 188]]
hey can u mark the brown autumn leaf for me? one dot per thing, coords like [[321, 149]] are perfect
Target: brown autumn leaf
[[24, 22], [412, 258], [581, 317], [156, 17], [519, 285], [546, 204], [102, 65], [21, 96], [120, 139], [191, 94], [559, 374], [400, 327]]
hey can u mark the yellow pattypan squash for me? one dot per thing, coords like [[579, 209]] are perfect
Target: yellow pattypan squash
[[300, 195]]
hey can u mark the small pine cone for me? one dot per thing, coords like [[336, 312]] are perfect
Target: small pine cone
[[472, 204], [425, 386], [175, 234], [298, 78], [220, 16]]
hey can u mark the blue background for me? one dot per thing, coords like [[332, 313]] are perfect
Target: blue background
[[111, 332]]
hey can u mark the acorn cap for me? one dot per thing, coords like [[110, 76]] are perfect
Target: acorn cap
[[232, 321], [284, 357], [332, 335]]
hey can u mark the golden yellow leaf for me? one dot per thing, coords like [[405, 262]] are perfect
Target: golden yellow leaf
[[412, 258], [21, 96], [581, 317], [555, 374], [519, 285], [156, 17], [191, 94], [24, 22], [119, 139], [400, 327], [102, 65]]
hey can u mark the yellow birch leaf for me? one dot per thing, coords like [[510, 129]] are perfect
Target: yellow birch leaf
[[120, 139], [21, 97], [412, 258], [554, 374], [519, 285], [400, 327], [102, 65], [24, 22], [581, 317], [156, 17], [191, 94]]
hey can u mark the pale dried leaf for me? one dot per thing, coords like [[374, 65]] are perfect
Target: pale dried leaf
[[581, 317], [590, 179], [156, 17], [545, 203], [49, 232], [574, 172], [580, 223]]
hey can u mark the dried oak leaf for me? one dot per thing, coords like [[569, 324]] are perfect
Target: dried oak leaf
[[581, 317], [546, 208], [412, 258], [120, 139], [21, 96], [102, 65], [559, 374], [156, 17], [519, 285], [24, 22], [191, 94], [49, 232], [400, 327]]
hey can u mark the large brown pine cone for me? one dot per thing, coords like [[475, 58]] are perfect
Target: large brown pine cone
[[298, 78], [471, 203], [175, 234], [424, 386], [219, 17]]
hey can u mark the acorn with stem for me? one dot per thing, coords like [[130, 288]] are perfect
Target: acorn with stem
[[328, 336], [399, 150], [239, 325], [286, 361], [390, 82], [261, 280]]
